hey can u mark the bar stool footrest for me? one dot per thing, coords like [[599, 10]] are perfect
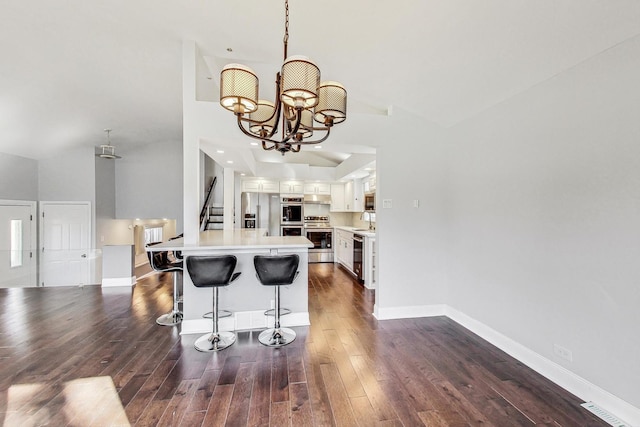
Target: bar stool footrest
[[221, 314], [272, 312]]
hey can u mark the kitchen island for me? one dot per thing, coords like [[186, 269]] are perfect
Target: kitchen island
[[246, 298]]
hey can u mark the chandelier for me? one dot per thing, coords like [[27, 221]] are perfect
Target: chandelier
[[301, 100]]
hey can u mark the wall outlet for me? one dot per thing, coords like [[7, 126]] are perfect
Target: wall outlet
[[565, 353], [387, 204]]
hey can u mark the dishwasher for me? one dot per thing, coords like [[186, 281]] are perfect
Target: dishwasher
[[357, 257]]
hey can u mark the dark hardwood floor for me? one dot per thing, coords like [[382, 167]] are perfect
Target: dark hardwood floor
[[88, 357]]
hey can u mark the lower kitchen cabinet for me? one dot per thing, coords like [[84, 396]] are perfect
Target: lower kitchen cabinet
[[369, 262], [344, 248]]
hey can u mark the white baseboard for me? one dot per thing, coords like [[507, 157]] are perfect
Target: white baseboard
[[244, 320], [563, 377], [119, 281], [409, 312]]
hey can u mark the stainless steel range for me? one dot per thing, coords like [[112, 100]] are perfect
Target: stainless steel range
[[319, 231]]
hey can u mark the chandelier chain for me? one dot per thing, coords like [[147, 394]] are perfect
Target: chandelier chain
[[286, 27]]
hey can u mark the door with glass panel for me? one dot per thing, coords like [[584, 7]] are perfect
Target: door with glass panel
[[18, 266]]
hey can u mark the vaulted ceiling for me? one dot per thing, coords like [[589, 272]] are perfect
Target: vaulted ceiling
[[71, 69]]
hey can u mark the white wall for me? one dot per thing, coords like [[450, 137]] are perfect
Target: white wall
[[149, 182], [545, 224], [70, 176], [412, 242], [18, 178], [105, 199]]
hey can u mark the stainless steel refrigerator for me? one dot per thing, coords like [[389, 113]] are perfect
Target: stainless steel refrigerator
[[261, 210]]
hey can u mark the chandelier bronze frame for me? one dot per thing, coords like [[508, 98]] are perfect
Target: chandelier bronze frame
[[301, 99]]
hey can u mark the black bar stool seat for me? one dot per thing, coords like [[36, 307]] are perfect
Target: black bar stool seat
[[209, 271], [276, 271], [160, 261]]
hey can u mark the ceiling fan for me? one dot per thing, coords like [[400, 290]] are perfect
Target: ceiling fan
[[108, 151]]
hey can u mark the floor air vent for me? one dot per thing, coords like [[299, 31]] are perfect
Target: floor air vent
[[606, 416]]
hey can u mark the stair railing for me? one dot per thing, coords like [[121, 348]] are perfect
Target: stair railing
[[205, 207]]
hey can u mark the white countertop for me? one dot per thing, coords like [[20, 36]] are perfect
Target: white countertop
[[235, 239], [356, 230]]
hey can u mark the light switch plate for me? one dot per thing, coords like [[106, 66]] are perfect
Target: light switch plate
[[386, 204]]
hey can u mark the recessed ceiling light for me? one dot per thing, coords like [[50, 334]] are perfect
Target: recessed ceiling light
[[254, 143], [229, 161], [221, 151], [317, 147], [242, 174]]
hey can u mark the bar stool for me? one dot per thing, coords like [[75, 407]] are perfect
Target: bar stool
[[159, 261], [276, 271], [213, 272]]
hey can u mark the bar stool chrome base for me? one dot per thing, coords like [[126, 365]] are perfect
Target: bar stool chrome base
[[277, 337], [215, 342], [170, 319]]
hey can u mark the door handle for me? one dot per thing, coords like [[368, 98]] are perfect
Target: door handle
[[83, 255]]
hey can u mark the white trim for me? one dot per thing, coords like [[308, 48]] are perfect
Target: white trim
[[409, 312], [118, 281], [243, 320], [545, 367]]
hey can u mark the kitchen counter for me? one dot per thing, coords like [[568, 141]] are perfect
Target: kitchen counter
[[254, 238], [246, 297], [356, 230]]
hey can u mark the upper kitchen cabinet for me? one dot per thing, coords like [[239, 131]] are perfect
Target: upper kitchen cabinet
[[291, 187], [317, 188], [347, 197], [260, 186], [369, 183], [337, 198]]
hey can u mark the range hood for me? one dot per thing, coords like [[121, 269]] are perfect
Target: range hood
[[321, 199]]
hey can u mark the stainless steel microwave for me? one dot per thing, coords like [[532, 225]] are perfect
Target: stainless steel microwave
[[370, 202]]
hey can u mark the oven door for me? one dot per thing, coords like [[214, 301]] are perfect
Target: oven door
[[322, 240], [291, 214], [291, 230]]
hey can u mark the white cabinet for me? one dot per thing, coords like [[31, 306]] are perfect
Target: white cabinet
[[369, 262], [337, 198], [260, 186], [369, 183], [291, 187], [347, 197], [317, 188], [344, 248]]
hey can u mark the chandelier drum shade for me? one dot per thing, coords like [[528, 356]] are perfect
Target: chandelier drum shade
[[301, 100]]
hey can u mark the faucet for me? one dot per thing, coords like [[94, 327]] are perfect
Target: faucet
[[368, 216]]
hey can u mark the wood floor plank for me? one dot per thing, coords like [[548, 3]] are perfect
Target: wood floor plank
[[219, 406], [260, 395], [240, 400], [280, 414], [342, 412], [301, 414]]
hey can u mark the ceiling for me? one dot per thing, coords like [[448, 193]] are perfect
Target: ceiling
[[71, 69]]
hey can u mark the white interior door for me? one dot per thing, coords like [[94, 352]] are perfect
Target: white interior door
[[65, 242], [17, 244]]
